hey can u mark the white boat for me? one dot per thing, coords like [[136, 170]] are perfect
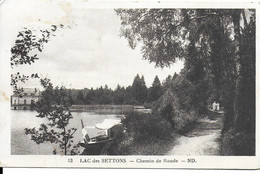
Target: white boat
[[94, 145]]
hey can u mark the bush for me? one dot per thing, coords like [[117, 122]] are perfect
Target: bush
[[237, 143], [184, 120], [168, 107], [143, 134], [146, 127]]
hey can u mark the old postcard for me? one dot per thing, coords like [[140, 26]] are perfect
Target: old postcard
[[129, 84]]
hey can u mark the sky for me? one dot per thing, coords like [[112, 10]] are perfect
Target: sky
[[89, 53]]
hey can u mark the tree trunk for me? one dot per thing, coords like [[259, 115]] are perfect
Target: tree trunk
[[242, 105], [237, 99], [65, 141], [244, 99]]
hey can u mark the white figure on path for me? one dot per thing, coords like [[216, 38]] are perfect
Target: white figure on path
[[217, 106], [214, 106]]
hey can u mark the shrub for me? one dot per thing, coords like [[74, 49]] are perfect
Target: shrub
[[141, 133], [183, 120], [168, 107], [146, 127], [237, 143]]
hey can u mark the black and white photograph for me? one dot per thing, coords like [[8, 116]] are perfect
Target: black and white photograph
[[146, 85]]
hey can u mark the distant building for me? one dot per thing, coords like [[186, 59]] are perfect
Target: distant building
[[26, 99]]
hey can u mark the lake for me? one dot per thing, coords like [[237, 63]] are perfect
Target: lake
[[22, 144]]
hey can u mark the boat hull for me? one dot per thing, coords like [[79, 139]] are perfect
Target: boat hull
[[94, 148]]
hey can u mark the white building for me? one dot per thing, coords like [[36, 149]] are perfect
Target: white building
[[25, 100]]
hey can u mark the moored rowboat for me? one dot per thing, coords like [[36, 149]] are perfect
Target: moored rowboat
[[94, 145]]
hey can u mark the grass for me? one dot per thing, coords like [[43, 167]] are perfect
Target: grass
[[154, 147]]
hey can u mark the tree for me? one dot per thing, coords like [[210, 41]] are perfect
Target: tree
[[128, 96], [90, 97], [167, 82], [69, 97], [156, 29], [53, 104], [54, 108], [139, 89], [119, 95], [107, 96], [24, 51], [155, 91], [80, 97], [245, 60]]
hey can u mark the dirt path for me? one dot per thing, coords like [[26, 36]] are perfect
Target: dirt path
[[202, 140]]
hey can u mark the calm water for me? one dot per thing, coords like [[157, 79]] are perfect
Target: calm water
[[21, 144]]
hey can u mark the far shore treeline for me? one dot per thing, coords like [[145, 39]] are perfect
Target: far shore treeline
[[136, 94]]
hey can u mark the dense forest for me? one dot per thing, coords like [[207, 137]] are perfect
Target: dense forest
[[136, 94]]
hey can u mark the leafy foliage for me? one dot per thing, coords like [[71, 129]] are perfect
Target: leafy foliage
[[176, 105], [25, 49], [54, 108], [238, 143], [15, 78], [157, 29], [145, 127], [26, 42]]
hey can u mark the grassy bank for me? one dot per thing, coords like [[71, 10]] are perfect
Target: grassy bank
[[152, 147]]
